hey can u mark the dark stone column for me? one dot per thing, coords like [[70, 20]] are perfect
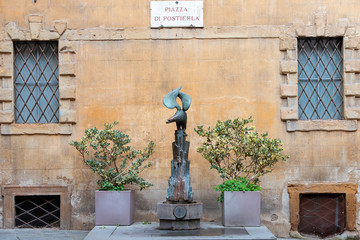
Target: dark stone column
[[179, 183], [180, 211]]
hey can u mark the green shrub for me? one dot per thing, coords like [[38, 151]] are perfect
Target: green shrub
[[107, 153], [238, 152], [236, 185]]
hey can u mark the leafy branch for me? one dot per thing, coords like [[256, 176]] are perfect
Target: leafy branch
[[106, 152], [237, 151]]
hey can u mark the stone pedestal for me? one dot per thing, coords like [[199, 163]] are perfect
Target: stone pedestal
[[179, 216]]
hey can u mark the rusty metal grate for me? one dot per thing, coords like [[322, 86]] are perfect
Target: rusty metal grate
[[36, 82], [37, 211], [322, 215], [320, 85]]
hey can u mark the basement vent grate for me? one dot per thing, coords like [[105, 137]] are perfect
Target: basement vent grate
[[322, 215], [37, 211]]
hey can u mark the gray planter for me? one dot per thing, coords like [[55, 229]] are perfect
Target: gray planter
[[241, 209], [114, 208]]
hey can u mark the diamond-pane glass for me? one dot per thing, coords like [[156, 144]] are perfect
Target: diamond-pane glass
[[320, 85], [36, 81]]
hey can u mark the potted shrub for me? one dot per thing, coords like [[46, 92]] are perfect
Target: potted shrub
[[241, 156], [117, 165]]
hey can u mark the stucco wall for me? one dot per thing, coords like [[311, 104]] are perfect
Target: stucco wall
[[230, 68]]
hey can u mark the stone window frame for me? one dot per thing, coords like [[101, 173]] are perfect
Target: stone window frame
[[67, 83], [351, 76], [10, 191], [297, 188]]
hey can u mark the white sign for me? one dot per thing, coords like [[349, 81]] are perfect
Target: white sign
[[176, 14]]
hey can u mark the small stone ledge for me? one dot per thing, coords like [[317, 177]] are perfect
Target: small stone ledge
[[352, 66], [67, 69], [66, 92], [288, 67], [288, 44], [352, 89], [32, 129], [321, 125], [6, 116], [6, 94], [351, 42], [5, 72], [6, 47], [67, 116], [67, 47], [352, 112], [288, 113], [287, 90]]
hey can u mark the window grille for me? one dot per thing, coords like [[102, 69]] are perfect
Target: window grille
[[320, 85], [36, 82], [37, 211], [322, 215]]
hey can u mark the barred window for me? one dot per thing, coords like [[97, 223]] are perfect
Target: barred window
[[320, 85], [36, 82]]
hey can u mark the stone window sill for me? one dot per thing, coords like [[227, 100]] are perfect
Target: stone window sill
[[321, 125], [36, 129]]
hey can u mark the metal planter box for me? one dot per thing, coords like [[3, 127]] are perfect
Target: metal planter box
[[114, 208], [241, 209]]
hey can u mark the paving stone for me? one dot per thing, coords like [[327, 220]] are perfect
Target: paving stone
[[140, 231], [41, 234], [208, 230]]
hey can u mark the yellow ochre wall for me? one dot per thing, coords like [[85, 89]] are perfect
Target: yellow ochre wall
[[230, 68]]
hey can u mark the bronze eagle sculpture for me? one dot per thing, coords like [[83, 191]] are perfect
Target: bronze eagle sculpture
[[180, 116]]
